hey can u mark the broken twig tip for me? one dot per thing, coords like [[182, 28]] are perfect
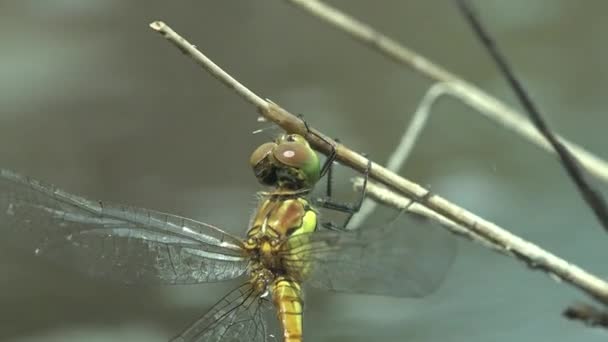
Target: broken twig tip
[[157, 25]]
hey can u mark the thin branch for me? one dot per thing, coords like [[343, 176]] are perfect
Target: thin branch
[[591, 196], [404, 148], [382, 195], [588, 283], [202, 60], [468, 93], [490, 236], [420, 118]]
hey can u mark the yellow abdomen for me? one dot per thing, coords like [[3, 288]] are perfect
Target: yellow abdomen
[[287, 299]]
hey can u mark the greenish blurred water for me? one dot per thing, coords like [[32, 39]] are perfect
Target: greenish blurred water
[[96, 103]]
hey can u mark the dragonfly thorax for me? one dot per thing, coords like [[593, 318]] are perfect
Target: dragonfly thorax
[[264, 252], [277, 219]]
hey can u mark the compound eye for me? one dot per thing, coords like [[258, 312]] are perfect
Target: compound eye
[[293, 154], [261, 153]]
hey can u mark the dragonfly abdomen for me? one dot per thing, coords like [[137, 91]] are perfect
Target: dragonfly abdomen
[[287, 299]]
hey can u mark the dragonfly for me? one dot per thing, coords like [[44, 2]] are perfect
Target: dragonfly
[[284, 247]]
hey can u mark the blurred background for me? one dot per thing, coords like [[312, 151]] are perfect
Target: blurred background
[[95, 102]]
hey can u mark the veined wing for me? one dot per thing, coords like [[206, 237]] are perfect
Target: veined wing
[[237, 317], [407, 258], [127, 244]]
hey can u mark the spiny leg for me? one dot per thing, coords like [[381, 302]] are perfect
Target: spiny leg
[[348, 208], [329, 180], [327, 169]]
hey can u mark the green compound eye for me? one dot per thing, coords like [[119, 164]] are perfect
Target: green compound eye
[[299, 156], [292, 154], [288, 162]]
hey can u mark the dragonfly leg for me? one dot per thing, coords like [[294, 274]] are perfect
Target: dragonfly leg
[[349, 208], [326, 167], [327, 170]]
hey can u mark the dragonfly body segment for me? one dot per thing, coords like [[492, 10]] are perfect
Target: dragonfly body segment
[[287, 299], [279, 217]]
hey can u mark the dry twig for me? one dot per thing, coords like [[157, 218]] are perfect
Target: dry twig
[[469, 94], [590, 195], [389, 198], [408, 141], [531, 254]]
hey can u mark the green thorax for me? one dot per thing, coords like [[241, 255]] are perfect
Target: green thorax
[[279, 217]]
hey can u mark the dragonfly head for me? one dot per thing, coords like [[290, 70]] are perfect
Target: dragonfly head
[[288, 162]]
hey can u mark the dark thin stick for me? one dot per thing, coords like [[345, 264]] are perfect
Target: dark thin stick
[[472, 96], [591, 196], [588, 314]]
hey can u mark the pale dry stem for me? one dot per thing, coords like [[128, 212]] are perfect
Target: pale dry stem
[[455, 86]]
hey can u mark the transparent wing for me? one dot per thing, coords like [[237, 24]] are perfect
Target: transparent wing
[[407, 258], [239, 316], [127, 244]]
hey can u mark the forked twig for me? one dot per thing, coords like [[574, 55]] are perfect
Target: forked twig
[[530, 253], [466, 92], [417, 124]]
